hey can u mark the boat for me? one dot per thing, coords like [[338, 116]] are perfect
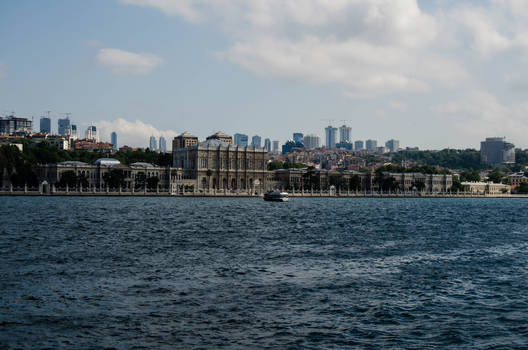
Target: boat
[[276, 196]]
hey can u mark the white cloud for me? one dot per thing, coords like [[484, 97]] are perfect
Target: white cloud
[[128, 63], [132, 133], [479, 114], [183, 8]]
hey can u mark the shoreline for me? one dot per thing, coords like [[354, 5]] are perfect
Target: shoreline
[[245, 195]]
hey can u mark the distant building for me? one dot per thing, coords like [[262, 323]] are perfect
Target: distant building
[[358, 145], [330, 133], [221, 136], [12, 125], [58, 141], [345, 134], [267, 145], [256, 141], [392, 145], [64, 127], [275, 147], [241, 140], [485, 188], [312, 141], [298, 137], [45, 125], [113, 138], [345, 145], [184, 140], [382, 149], [91, 133], [371, 145], [496, 151], [162, 145], [290, 146], [74, 132], [153, 145], [93, 145]]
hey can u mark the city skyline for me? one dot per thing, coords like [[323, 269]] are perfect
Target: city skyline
[[454, 66]]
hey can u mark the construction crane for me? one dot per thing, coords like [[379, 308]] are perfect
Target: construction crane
[[67, 114], [329, 121]]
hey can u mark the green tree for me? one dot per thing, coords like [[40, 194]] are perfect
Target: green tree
[[152, 182], [496, 176]]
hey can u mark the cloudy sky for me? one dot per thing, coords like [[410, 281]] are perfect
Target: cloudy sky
[[432, 74]]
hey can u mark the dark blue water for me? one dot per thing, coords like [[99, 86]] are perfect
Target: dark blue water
[[166, 273]]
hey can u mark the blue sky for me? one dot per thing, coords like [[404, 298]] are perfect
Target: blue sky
[[432, 74]]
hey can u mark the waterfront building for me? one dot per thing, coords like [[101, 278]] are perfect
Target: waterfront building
[[345, 134], [64, 127], [91, 133], [45, 125], [184, 140], [162, 145], [256, 141], [113, 138], [221, 136], [241, 140], [214, 164], [12, 125], [371, 145], [358, 145], [267, 145], [496, 151], [298, 137], [275, 147], [485, 188], [107, 172], [153, 145], [312, 141], [330, 133], [392, 145]]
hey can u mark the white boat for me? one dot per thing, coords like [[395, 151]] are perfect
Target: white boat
[[276, 196]]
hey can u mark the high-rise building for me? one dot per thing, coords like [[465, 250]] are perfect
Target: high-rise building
[[241, 140], [74, 132], [358, 145], [162, 145], [45, 125], [331, 134], [496, 151], [275, 147], [113, 138], [64, 127], [153, 144], [345, 134], [312, 141], [298, 137], [267, 145], [184, 140], [371, 145], [12, 125], [256, 141], [91, 133], [392, 145]]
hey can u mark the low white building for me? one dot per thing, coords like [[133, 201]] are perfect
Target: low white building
[[485, 188]]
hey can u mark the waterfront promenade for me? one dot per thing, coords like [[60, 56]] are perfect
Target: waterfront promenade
[[242, 193]]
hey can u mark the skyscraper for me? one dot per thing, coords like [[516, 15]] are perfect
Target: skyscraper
[[256, 141], [392, 145], [113, 137], [162, 145], [275, 147], [64, 127], [267, 145], [91, 133], [45, 125], [241, 140], [153, 143], [331, 133], [358, 145], [74, 133], [298, 137], [496, 151], [345, 134], [312, 141], [371, 145]]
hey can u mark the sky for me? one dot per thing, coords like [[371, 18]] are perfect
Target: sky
[[433, 74]]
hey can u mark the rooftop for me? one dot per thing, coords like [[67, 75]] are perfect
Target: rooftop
[[107, 161]]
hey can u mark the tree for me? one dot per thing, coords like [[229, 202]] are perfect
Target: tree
[[419, 184], [522, 188], [496, 176], [470, 176], [457, 185], [115, 178], [152, 182]]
